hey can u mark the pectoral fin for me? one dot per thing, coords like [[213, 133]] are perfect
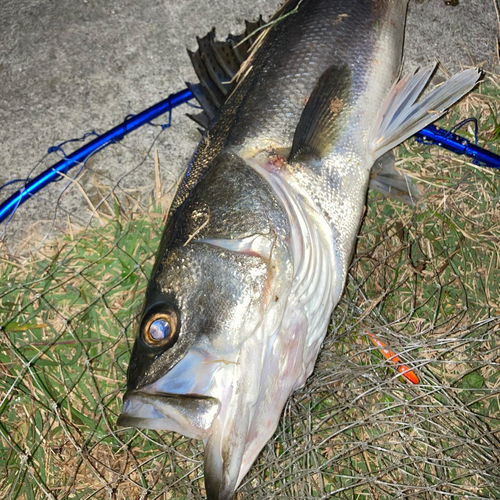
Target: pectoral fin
[[323, 117]]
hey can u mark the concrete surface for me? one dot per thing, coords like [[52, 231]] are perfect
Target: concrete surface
[[67, 68]]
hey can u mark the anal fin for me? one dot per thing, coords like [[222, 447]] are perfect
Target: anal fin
[[388, 181]]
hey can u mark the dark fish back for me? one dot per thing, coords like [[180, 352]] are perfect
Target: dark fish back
[[265, 106]]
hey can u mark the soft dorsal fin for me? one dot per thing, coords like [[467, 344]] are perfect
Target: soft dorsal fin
[[216, 63], [320, 123]]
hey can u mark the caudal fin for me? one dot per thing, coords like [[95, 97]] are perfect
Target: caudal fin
[[401, 115]]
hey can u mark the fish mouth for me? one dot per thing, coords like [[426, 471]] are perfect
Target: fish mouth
[[191, 415]]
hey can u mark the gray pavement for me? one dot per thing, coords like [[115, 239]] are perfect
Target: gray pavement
[[68, 67]]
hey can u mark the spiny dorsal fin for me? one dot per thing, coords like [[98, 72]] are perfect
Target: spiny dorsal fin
[[209, 109], [319, 124], [216, 63]]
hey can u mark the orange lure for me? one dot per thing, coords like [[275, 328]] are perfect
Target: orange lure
[[391, 356]]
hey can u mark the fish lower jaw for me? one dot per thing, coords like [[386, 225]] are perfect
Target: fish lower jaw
[[191, 415], [187, 399]]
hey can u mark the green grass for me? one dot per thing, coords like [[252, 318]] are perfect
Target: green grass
[[426, 280], [64, 352]]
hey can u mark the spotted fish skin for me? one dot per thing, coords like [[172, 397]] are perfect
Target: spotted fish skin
[[256, 248]]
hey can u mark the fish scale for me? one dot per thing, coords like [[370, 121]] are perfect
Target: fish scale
[[289, 67]]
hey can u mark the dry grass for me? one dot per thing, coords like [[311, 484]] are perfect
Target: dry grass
[[427, 281]]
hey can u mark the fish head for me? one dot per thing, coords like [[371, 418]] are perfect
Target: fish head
[[213, 306], [202, 306]]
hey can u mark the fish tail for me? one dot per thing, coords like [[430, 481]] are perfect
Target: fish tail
[[402, 115]]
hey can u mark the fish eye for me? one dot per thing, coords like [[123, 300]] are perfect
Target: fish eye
[[160, 328]]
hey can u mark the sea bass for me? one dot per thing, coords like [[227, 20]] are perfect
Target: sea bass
[[256, 248]]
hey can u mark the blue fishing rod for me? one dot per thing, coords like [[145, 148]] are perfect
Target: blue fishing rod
[[429, 135], [447, 139], [81, 155]]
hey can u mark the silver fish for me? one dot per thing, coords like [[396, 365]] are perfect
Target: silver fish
[[257, 245]]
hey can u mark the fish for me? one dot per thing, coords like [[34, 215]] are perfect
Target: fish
[[300, 115]]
